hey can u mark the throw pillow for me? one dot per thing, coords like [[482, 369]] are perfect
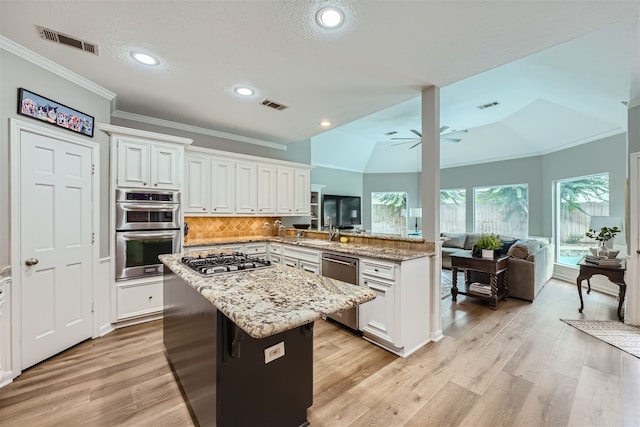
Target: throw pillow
[[454, 240], [518, 250], [506, 245], [533, 245], [472, 238]]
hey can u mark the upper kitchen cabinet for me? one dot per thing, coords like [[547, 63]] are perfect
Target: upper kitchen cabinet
[[223, 186], [302, 195], [246, 187], [242, 185], [197, 194], [285, 191], [146, 159], [267, 189], [293, 191]]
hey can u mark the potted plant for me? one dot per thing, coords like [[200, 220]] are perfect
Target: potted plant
[[603, 236], [488, 243]]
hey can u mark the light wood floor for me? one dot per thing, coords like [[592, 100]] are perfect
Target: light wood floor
[[517, 366]]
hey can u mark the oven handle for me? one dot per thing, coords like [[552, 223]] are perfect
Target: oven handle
[[138, 236], [143, 207]]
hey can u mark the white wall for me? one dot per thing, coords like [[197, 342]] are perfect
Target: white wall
[[17, 72]]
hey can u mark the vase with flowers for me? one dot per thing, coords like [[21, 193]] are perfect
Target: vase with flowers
[[603, 236]]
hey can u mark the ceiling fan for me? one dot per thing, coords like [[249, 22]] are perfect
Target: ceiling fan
[[443, 137]]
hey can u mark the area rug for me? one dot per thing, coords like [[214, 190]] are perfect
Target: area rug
[[618, 334]]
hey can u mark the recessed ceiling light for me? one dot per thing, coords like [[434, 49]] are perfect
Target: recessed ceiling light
[[325, 123], [244, 91], [330, 17], [145, 59]]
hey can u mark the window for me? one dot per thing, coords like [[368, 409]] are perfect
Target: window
[[578, 199], [502, 210], [389, 213], [453, 211]]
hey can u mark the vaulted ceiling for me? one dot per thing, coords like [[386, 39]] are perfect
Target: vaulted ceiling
[[559, 69]]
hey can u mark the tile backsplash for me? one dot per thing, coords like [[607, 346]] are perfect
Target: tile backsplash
[[213, 227]]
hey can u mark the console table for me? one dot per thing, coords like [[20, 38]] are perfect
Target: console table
[[615, 274], [493, 266]]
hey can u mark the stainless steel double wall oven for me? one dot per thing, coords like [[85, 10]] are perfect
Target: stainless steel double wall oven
[[148, 224]]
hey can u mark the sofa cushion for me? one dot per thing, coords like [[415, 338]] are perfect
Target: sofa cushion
[[518, 250], [533, 245], [472, 238], [454, 240]]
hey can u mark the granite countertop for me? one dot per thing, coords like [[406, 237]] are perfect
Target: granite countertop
[[370, 251], [5, 271], [267, 301]]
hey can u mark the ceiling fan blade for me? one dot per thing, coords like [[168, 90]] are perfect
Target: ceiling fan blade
[[413, 138], [450, 139], [455, 132], [443, 128], [415, 145], [416, 132], [400, 143]]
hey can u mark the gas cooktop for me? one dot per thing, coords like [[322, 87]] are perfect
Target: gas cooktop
[[219, 263]]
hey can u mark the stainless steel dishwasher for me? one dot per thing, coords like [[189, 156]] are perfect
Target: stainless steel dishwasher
[[345, 269]]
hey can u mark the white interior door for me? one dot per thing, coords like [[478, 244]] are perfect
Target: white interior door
[[56, 245]]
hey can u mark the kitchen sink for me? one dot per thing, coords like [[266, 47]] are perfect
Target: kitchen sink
[[318, 242]]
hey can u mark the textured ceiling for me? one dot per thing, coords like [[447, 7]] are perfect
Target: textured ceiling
[[383, 56]]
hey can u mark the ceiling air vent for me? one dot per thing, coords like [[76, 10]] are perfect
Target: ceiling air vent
[[274, 105], [488, 105], [65, 39]]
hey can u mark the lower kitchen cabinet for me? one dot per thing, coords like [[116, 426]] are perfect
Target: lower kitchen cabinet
[[303, 258], [6, 370], [398, 318], [139, 299]]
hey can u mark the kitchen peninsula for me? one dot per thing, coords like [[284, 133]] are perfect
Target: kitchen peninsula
[[241, 343]]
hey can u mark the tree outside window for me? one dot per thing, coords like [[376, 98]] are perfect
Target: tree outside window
[[502, 210], [389, 213], [578, 200], [453, 211]]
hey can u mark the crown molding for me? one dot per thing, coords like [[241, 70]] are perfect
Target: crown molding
[[47, 64], [633, 103], [196, 129]]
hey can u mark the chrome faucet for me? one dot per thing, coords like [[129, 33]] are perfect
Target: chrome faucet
[[332, 232]]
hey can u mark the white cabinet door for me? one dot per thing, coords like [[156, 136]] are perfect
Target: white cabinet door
[[267, 191], [223, 186], [197, 194], [302, 194], [286, 185], [377, 316], [165, 167], [246, 187], [133, 163]]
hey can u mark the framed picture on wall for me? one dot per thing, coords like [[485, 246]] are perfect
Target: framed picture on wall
[[36, 106]]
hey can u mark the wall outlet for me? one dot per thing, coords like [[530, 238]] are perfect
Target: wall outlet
[[274, 352]]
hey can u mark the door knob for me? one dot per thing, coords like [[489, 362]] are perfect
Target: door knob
[[30, 261]]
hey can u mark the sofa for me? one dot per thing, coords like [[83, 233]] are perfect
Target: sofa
[[530, 263]]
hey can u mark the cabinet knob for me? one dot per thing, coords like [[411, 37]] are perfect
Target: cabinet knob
[[375, 269], [150, 298], [144, 183], [204, 209], [31, 261], [156, 184]]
